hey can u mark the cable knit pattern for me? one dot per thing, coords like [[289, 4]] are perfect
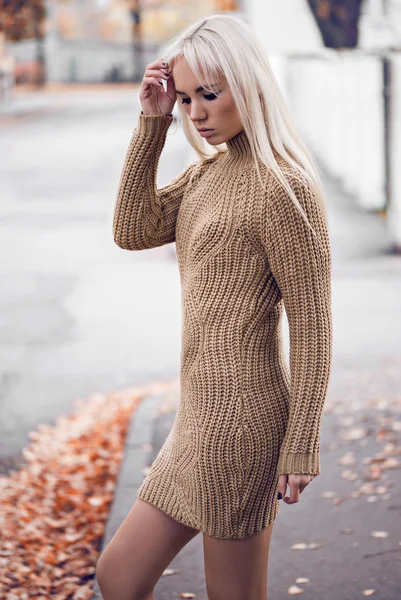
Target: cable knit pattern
[[244, 253]]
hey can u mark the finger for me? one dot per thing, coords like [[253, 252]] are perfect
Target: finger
[[157, 64], [304, 481], [294, 491], [149, 81], [282, 486], [293, 497], [156, 73]]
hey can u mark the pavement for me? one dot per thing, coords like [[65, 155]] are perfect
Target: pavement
[[63, 287]]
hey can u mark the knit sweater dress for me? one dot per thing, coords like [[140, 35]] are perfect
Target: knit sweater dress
[[244, 253]]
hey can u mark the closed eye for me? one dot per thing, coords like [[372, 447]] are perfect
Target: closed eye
[[208, 97]]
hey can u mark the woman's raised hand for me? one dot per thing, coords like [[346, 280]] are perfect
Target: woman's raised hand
[[155, 100]]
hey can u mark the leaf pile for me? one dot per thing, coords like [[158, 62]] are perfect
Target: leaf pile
[[53, 511]]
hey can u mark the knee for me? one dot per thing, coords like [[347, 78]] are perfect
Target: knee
[[113, 585]]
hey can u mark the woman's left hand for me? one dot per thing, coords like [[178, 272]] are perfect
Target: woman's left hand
[[297, 484]]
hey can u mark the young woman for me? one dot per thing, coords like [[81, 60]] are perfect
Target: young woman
[[251, 237]]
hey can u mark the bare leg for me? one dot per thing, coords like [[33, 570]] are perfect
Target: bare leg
[[237, 569], [141, 549]]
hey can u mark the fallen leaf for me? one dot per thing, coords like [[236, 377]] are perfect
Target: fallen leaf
[[383, 433], [391, 463], [366, 488], [300, 546], [303, 546], [328, 494], [379, 534], [293, 590], [355, 433], [350, 475], [375, 472], [347, 459], [347, 531]]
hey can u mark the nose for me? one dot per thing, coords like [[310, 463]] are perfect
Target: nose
[[196, 113]]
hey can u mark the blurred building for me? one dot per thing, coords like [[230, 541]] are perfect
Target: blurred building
[[106, 40]]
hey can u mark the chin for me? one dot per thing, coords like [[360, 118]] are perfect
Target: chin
[[213, 142], [223, 139]]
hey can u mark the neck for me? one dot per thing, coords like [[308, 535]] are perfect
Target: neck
[[238, 150]]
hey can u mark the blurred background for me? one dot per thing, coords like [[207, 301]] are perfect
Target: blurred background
[[79, 315]]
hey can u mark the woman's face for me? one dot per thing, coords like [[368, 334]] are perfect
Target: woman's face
[[218, 113]]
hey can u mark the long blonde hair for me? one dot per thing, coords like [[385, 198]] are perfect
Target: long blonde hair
[[225, 44]]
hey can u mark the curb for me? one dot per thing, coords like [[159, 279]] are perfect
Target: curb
[[130, 477]]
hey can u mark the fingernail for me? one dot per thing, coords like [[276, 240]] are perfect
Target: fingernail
[[279, 495]]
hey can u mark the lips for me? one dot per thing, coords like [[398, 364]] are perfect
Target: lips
[[205, 129]]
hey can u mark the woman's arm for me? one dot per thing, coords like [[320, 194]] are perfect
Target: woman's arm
[[144, 216], [301, 266]]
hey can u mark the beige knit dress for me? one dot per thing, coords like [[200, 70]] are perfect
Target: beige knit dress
[[244, 254]]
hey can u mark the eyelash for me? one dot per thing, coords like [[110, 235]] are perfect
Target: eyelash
[[208, 97]]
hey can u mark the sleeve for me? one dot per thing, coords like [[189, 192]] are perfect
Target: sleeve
[[301, 266], [144, 216]]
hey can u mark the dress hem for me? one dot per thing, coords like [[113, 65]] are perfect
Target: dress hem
[[173, 510]]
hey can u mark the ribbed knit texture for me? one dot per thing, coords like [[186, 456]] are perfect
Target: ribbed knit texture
[[244, 254]]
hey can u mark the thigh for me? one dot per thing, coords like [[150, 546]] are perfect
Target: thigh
[[237, 569], [141, 549]]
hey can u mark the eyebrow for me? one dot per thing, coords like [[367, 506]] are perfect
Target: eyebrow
[[199, 89]]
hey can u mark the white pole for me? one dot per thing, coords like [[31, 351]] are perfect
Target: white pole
[[394, 212], [371, 139]]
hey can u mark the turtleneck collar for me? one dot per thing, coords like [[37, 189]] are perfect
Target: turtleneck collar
[[238, 151]]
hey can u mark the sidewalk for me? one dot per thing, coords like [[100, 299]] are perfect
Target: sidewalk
[[351, 499]]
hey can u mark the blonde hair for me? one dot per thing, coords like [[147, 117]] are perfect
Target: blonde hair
[[224, 44]]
